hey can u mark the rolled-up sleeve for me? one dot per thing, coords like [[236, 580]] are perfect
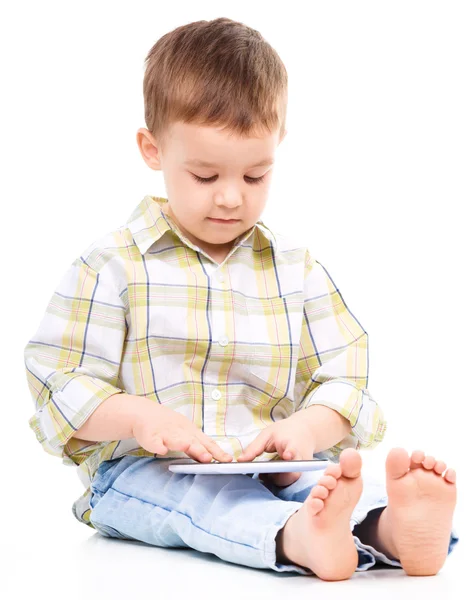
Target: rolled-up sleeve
[[332, 366], [73, 360]]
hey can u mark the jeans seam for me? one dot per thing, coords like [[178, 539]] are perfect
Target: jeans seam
[[186, 516]]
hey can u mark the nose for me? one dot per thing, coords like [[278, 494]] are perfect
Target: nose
[[229, 199]]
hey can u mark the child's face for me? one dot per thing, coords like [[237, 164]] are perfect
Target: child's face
[[231, 193]]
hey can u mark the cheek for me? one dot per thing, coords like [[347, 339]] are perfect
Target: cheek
[[259, 201], [191, 207]]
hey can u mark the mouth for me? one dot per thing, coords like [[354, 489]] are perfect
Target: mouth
[[224, 221]]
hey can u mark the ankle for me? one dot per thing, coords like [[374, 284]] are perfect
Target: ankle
[[286, 544], [375, 531], [384, 536], [281, 557]]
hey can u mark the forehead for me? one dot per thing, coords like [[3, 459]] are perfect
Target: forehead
[[208, 146], [203, 163]]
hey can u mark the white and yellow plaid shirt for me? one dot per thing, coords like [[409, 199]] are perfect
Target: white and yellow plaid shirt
[[233, 347]]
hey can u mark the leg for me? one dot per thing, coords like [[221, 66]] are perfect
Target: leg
[[232, 516], [415, 527], [370, 533], [373, 530], [373, 497], [318, 536]]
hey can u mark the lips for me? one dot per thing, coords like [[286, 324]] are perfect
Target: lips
[[223, 220]]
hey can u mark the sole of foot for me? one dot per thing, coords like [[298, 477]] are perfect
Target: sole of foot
[[418, 519], [318, 535]]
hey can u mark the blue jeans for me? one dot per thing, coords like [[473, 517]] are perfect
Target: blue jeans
[[235, 517]]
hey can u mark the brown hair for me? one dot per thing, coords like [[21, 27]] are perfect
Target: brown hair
[[220, 73]]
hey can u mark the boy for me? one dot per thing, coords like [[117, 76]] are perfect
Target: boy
[[194, 331]]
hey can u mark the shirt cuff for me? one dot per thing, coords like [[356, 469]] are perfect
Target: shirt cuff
[[69, 406]]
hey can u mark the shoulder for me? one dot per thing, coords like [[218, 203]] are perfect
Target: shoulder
[[107, 249], [103, 260], [289, 245], [296, 258]]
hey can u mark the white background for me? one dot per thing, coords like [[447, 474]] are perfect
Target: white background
[[377, 174]]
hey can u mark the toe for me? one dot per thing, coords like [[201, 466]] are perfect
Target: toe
[[315, 505], [328, 482], [439, 467], [350, 462], [397, 463], [450, 475], [429, 462], [319, 491], [418, 456], [333, 470]]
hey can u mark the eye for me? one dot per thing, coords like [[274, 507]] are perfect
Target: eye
[[250, 180]]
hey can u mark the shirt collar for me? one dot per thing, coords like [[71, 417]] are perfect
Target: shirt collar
[[148, 224]]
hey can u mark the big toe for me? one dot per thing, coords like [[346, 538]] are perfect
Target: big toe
[[397, 463], [350, 462]]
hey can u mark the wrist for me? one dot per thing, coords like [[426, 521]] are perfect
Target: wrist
[[328, 427], [144, 409]]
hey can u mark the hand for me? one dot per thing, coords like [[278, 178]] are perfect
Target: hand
[[159, 429], [291, 438]]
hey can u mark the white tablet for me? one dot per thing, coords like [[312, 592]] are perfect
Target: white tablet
[[192, 467]]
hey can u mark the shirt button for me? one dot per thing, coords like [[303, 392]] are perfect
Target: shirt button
[[220, 277], [216, 395], [223, 341]]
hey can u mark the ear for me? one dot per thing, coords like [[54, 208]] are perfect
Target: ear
[[149, 149]]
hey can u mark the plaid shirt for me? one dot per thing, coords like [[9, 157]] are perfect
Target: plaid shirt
[[233, 347]]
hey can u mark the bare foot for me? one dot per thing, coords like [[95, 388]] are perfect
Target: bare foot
[[318, 535], [416, 524]]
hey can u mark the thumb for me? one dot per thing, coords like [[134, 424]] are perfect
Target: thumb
[[290, 451], [159, 448]]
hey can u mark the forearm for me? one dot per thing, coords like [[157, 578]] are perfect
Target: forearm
[[114, 418], [329, 427]]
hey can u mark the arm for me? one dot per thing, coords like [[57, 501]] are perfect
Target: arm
[[72, 361], [114, 419], [329, 427], [332, 367]]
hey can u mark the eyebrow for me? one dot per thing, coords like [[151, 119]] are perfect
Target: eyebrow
[[203, 163]]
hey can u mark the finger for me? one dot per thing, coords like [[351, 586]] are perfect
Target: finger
[[213, 448], [289, 449], [256, 447], [292, 453], [217, 452], [285, 447], [197, 451], [289, 452]]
